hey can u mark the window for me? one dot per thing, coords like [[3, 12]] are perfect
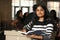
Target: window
[[25, 9], [17, 4]]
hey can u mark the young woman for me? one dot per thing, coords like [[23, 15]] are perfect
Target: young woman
[[40, 25]]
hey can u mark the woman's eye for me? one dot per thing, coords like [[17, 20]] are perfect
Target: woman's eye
[[37, 10], [42, 10]]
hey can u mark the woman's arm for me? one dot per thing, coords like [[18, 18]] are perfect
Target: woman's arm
[[13, 23]]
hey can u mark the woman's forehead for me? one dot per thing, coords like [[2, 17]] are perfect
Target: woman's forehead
[[39, 7]]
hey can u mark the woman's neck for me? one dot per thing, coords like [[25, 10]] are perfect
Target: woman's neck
[[41, 19]]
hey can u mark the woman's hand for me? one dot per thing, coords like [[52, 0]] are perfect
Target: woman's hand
[[35, 36], [59, 34], [23, 30], [32, 36]]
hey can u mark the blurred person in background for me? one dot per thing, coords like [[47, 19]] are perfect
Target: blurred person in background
[[30, 16], [18, 22], [25, 15], [54, 17]]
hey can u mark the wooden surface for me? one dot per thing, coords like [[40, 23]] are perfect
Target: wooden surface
[[15, 35]]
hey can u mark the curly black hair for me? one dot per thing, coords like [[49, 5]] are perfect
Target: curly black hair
[[53, 13]]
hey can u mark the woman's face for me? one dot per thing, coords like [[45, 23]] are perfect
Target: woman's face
[[40, 11]]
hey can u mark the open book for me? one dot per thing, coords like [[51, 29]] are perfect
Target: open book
[[38, 32], [26, 33]]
